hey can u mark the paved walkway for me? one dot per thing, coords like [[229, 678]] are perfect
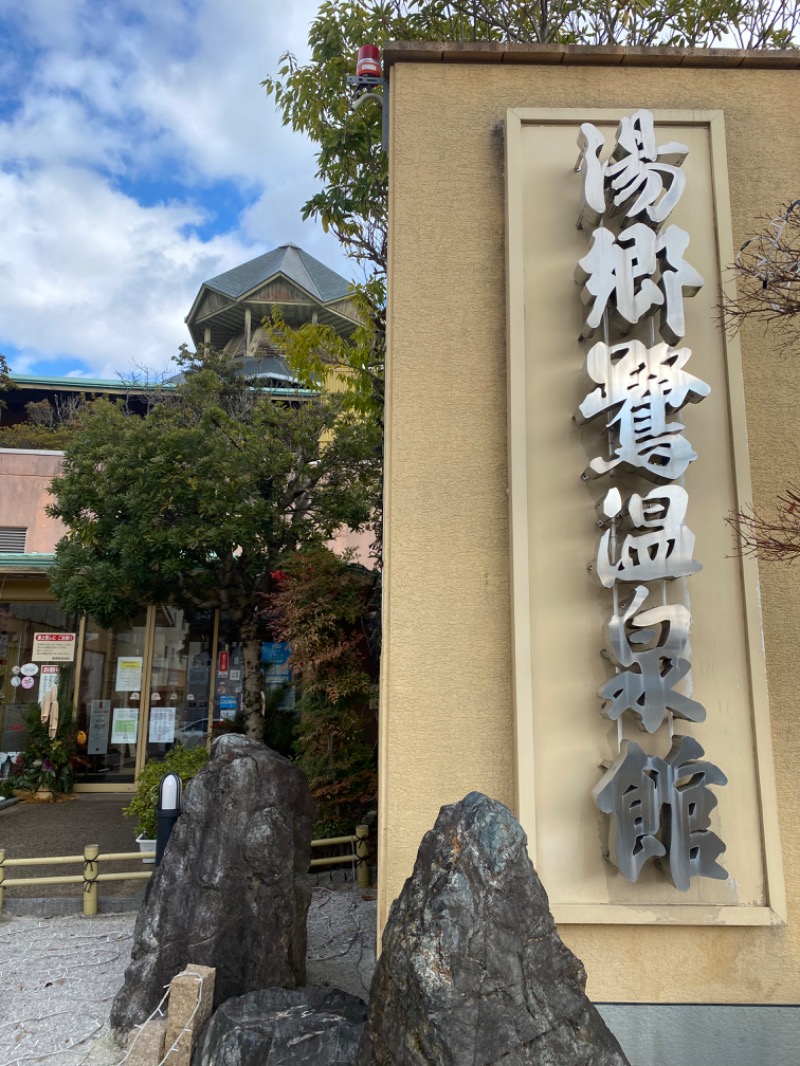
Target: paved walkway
[[29, 830]]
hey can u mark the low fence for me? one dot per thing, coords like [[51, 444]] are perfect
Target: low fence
[[92, 878], [357, 857]]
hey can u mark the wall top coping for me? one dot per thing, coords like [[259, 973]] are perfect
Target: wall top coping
[[586, 55], [32, 451]]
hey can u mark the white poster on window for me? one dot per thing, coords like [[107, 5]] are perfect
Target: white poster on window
[[99, 716], [48, 679], [129, 674], [162, 725], [124, 725]]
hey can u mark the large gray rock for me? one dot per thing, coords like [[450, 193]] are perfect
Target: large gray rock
[[284, 1027], [232, 890], [472, 970]]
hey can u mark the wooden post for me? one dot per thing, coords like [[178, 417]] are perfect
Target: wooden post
[[362, 856], [248, 327], [2, 877], [91, 868]]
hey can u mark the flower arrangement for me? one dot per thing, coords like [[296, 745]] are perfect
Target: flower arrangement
[[46, 763]]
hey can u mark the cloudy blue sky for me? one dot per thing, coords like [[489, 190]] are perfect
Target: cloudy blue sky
[[139, 156]]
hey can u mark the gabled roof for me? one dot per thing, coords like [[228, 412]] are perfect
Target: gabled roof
[[317, 279], [305, 290]]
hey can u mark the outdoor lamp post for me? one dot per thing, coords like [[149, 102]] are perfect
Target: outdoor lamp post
[[169, 808]]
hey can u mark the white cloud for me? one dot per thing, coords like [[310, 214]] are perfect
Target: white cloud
[[96, 275], [110, 98]]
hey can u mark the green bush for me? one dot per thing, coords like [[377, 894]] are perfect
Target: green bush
[[183, 761]]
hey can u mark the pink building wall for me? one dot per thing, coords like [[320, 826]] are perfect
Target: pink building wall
[[24, 480]]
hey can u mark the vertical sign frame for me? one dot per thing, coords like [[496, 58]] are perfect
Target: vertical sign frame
[[761, 906]]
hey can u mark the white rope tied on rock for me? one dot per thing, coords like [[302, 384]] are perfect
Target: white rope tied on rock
[[200, 980]]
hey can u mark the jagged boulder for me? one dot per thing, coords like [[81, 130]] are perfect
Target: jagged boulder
[[232, 890], [473, 971], [284, 1027]]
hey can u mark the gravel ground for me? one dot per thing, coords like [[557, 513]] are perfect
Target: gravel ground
[[58, 976]]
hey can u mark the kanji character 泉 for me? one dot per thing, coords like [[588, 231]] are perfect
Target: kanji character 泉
[[649, 647]]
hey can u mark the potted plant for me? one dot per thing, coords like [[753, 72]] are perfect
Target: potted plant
[[44, 768], [144, 806]]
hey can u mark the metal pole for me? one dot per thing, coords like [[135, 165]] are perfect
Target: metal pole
[[362, 856], [91, 868]]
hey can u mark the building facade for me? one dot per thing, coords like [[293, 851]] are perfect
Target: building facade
[[528, 490], [167, 675]]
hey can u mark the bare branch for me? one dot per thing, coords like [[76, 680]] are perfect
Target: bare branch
[[775, 537], [767, 271]]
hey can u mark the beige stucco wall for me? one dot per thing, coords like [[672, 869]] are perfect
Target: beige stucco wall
[[447, 722], [24, 480]]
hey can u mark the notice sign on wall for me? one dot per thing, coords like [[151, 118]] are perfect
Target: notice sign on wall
[[99, 716], [124, 725], [129, 674], [162, 725], [53, 647]]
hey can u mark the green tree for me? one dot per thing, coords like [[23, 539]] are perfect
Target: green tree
[[314, 99], [49, 425], [322, 607], [197, 503]]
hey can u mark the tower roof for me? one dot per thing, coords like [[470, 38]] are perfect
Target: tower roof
[[291, 261], [305, 290]]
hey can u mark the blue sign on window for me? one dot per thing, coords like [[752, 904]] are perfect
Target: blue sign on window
[[278, 652]]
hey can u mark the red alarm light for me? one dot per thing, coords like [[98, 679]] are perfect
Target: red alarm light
[[369, 62]]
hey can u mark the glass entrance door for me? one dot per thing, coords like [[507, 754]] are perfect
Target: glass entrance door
[[110, 700], [180, 681]]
